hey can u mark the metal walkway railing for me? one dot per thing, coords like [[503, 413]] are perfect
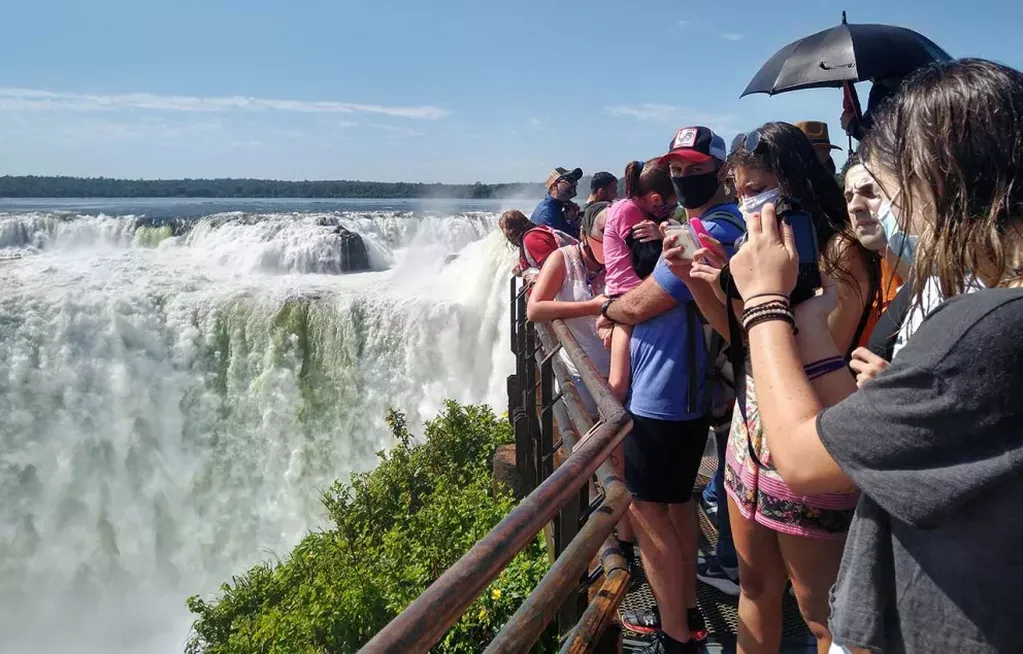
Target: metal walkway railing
[[580, 527]]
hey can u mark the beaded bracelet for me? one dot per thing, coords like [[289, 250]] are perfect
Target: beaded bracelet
[[767, 307], [769, 317]]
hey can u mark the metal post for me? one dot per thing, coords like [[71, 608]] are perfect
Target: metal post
[[514, 316], [529, 403], [546, 418]]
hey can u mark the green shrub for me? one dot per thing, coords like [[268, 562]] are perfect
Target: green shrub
[[396, 529]]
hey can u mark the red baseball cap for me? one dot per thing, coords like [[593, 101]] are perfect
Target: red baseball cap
[[695, 145]]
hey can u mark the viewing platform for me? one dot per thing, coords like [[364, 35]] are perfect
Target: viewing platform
[[570, 492]]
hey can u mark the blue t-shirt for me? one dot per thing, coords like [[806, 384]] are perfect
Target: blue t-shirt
[[551, 212], [660, 348]]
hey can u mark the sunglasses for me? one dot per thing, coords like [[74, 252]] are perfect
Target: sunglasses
[[749, 141]]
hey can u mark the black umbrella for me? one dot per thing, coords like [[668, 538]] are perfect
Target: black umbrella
[[847, 53]]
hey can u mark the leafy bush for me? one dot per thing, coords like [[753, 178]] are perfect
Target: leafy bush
[[396, 529]]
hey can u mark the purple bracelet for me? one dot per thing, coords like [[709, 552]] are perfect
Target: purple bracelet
[[812, 367], [821, 368]]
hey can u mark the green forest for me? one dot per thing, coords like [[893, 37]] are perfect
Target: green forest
[[392, 532], [31, 186]]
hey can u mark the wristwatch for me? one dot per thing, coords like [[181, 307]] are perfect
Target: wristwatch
[[607, 305]]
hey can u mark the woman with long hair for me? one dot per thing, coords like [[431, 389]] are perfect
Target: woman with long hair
[[935, 442], [780, 534], [534, 242]]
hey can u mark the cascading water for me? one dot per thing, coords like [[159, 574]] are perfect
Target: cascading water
[[173, 398]]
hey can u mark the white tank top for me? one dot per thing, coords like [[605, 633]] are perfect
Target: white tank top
[[577, 288]]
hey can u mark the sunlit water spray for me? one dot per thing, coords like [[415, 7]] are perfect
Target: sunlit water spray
[[172, 401]]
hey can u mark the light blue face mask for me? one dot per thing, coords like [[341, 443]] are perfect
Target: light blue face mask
[[899, 242]]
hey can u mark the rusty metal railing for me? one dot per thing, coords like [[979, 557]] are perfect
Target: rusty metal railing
[[559, 495]]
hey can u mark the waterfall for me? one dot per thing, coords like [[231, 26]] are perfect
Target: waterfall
[[175, 394]]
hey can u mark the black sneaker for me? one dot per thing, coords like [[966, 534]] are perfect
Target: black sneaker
[[711, 572], [697, 625], [664, 644], [647, 621]]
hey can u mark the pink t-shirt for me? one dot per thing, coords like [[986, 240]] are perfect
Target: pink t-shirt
[[621, 218]]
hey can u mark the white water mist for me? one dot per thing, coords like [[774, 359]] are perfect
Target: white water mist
[[171, 404]]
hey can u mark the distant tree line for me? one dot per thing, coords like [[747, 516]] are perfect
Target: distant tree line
[[32, 186]]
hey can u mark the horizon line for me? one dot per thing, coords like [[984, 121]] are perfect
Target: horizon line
[[258, 179]]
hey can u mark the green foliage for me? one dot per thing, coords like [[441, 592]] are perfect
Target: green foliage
[[396, 529], [32, 186]]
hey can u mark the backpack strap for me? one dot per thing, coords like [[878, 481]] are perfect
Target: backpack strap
[[873, 295], [723, 216], [693, 324]]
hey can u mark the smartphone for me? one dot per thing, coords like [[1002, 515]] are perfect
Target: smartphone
[[684, 238], [805, 234], [700, 232]]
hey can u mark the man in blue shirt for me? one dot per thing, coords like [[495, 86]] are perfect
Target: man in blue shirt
[[670, 401], [696, 157], [562, 186]]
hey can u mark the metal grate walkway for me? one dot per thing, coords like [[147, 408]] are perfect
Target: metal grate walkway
[[719, 610]]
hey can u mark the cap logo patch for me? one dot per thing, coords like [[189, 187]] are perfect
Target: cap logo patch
[[685, 138]]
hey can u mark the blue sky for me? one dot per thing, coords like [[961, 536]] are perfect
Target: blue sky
[[418, 90]]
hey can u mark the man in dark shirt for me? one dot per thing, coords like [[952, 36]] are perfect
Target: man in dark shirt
[[562, 186], [603, 188], [935, 444]]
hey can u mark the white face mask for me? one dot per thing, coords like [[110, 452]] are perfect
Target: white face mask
[[754, 204]]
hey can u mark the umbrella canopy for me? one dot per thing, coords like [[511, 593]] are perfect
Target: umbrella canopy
[[846, 53]]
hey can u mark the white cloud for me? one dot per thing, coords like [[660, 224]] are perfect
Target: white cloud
[[14, 99], [666, 113], [535, 122], [685, 23], [731, 36]]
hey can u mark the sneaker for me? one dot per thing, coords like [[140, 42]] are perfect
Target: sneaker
[[710, 509], [649, 622], [664, 644], [712, 573], [697, 625]]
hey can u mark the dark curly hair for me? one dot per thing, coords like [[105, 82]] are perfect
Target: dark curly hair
[[787, 153]]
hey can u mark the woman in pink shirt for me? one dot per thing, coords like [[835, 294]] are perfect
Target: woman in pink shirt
[[649, 199]]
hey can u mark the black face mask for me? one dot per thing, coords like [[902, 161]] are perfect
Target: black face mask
[[694, 191]]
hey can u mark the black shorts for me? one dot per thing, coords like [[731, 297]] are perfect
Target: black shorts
[[662, 458]]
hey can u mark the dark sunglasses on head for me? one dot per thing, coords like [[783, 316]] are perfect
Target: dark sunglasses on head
[[749, 141]]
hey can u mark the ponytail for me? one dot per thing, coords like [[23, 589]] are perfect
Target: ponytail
[[642, 178], [633, 172]]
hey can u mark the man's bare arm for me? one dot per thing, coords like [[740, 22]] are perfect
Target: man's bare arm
[[646, 301]]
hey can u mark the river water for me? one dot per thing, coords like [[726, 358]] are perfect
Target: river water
[[180, 378]]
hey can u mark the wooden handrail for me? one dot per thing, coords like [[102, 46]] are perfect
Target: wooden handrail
[[604, 605], [424, 622], [528, 623]]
